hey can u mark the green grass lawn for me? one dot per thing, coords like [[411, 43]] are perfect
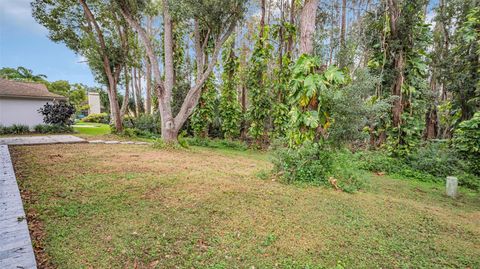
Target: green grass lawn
[[89, 129], [127, 206]]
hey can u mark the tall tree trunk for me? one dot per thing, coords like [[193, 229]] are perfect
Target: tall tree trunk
[[169, 130], [280, 36], [399, 65], [292, 22], [148, 94], [243, 90], [344, 23], [135, 92], [148, 71], [397, 108], [431, 122], [124, 108], [163, 98], [132, 86], [112, 74], [170, 125], [138, 91], [115, 108], [262, 19], [307, 26]]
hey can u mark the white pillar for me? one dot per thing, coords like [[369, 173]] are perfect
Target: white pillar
[[452, 186]]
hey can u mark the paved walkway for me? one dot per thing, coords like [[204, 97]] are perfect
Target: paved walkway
[[15, 246], [41, 140]]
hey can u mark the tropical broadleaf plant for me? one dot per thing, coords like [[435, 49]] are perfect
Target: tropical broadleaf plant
[[313, 90]]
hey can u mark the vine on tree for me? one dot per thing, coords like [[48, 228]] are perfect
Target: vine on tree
[[258, 85], [230, 111], [204, 113]]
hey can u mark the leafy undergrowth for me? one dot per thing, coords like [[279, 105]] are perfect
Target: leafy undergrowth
[[138, 207]]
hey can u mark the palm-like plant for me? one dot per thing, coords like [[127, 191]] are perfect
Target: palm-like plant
[[21, 74]]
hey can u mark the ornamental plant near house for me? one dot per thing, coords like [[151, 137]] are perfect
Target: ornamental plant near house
[[58, 113]]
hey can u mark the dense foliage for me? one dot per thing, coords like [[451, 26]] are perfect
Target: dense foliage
[[203, 115], [58, 113], [313, 91], [318, 164], [144, 125], [466, 141], [258, 84], [229, 110]]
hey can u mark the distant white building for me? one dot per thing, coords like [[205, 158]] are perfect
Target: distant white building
[[93, 103], [20, 102]]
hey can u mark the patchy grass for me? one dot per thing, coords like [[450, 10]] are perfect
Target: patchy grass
[[126, 206], [89, 129]]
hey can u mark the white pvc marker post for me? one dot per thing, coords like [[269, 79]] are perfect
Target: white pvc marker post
[[452, 186]]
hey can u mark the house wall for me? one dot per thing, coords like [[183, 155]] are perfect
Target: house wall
[[21, 111], [94, 103]]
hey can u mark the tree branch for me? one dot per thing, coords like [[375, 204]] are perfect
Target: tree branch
[[194, 93], [148, 47], [101, 41]]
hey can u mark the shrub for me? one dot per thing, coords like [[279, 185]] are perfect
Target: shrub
[[466, 141], [128, 132], [97, 118], [307, 163], [469, 180], [378, 161], [19, 129], [50, 129], [317, 164], [58, 113], [146, 123], [437, 159], [14, 129]]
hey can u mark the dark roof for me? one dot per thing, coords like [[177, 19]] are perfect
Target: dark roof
[[17, 89]]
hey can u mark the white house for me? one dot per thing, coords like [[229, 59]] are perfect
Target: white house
[[20, 101], [93, 103]]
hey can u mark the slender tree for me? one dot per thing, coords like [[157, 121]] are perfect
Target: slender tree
[[223, 24]]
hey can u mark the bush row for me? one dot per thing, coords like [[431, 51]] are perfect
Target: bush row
[[40, 128], [52, 128], [97, 118], [14, 129]]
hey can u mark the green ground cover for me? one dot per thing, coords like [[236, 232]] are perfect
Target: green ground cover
[[127, 206], [88, 128]]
